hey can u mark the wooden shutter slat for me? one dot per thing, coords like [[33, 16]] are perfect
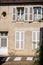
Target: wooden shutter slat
[[26, 18], [14, 14], [30, 13]]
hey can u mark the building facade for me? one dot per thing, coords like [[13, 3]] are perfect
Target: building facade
[[20, 23]]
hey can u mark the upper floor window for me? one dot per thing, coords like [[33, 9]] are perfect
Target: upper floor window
[[27, 13], [20, 13], [37, 13]]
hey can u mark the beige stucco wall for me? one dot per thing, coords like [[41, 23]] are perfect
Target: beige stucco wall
[[7, 24]]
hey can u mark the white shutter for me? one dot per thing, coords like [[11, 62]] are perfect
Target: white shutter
[[42, 12], [26, 18], [34, 44], [38, 35], [22, 39], [30, 13], [14, 14], [38, 38], [17, 36], [33, 36], [17, 39]]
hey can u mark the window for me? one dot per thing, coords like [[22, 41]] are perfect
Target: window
[[19, 39], [28, 13], [23, 13], [37, 13], [35, 39], [20, 13], [3, 39]]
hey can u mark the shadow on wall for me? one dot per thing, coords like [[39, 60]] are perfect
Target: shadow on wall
[[2, 60]]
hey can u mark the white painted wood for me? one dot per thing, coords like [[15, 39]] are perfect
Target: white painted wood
[[8, 58], [4, 50], [26, 13], [29, 58], [31, 13], [14, 13], [16, 40], [17, 59], [36, 35]]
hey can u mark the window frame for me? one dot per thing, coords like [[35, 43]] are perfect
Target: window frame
[[31, 13], [20, 11], [26, 13], [37, 13], [6, 43], [35, 40], [14, 14], [20, 41], [42, 12], [28, 7]]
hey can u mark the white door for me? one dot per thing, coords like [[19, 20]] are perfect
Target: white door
[[3, 44]]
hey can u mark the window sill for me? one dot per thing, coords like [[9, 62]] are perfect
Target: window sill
[[19, 49], [22, 21]]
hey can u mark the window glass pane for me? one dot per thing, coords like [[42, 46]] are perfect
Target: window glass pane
[[34, 36], [4, 33], [21, 44], [31, 14], [37, 13], [39, 10], [20, 13], [0, 34], [38, 36], [26, 10], [21, 35], [30, 9], [34, 45], [17, 35], [30, 17], [26, 17], [35, 10], [13, 17], [17, 44], [26, 14], [3, 42], [13, 10]]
